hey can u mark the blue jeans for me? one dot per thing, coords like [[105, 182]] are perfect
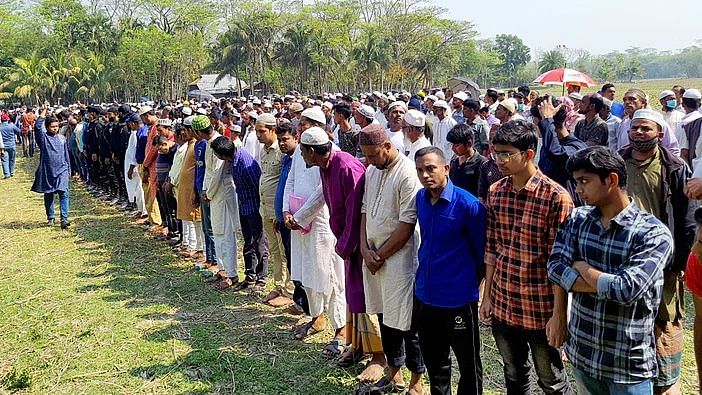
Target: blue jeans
[[514, 345], [589, 385], [210, 253], [8, 162], [63, 204]]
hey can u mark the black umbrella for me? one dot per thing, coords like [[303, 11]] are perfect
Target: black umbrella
[[464, 84]]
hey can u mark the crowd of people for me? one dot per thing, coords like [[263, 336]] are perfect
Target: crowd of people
[[401, 221]]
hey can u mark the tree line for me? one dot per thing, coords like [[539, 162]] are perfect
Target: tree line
[[107, 50]]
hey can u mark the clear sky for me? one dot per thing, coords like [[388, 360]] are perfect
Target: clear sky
[[600, 26]]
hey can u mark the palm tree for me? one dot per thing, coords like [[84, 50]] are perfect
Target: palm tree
[[296, 50], [371, 54], [233, 55], [550, 60], [28, 78]]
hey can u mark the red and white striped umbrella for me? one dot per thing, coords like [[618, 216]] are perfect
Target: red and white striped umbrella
[[567, 76]]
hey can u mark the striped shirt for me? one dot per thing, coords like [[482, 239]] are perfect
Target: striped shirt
[[521, 228], [611, 332], [246, 174]]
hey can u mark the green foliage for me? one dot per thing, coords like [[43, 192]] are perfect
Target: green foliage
[[514, 54], [550, 60], [16, 379]]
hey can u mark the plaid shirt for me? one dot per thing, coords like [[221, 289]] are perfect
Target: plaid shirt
[[611, 332], [521, 228], [246, 174]]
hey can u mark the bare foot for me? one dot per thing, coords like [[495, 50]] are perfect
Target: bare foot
[[415, 387], [375, 369]]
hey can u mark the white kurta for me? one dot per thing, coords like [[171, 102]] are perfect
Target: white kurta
[[313, 260], [412, 148], [135, 191], [177, 163], [441, 129], [251, 145], [224, 216], [390, 198]]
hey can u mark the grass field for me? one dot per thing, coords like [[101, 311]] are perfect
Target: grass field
[[102, 309]]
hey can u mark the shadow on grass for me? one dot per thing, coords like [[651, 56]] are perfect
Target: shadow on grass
[[235, 344]]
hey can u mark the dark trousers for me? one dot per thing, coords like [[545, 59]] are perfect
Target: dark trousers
[[255, 247], [442, 330], [299, 295], [514, 345], [210, 253], [167, 208], [401, 347], [118, 169]]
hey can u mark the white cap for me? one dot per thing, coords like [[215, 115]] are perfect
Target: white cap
[[256, 101], [315, 114], [266, 119], [397, 103], [252, 114], [165, 122], [440, 95], [665, 94], [188, 121], [314, 136], [607, 102], [692, 94], [441, 104], [143, 110], [367, 111], [460, 96], [267, 105], [651, 115], [431, 97], [391, 97], [327, 105], [187, 111], [201, 111], [415, 118], [236, 128], [576, 96], [235, 113]]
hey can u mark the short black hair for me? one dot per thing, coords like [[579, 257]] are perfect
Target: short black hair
[[484, 109], [558, 118], [342, 108], [160, 140], [50, 119], [492, 95], [606, 86], [223, 146], [599, 160], [284, 127], [596, 100], [518, 133], [430, 150], [321, 150], [691, 103], [460, 134], [472, 104], [524, 89]]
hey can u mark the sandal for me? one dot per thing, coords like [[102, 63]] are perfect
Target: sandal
[[334, 349], [305, 331], [228, 282], [347, 362], [219, 276], [380, 387]]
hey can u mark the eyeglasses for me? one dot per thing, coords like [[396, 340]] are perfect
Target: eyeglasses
[[504, 156]]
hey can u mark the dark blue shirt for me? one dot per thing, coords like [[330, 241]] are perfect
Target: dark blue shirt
[[200, 148], [555, 153], [246, 174], [8, 131], [452, 247], [142, 141], [280, 191]]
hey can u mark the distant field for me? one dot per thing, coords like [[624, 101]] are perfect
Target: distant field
[[652, 87]]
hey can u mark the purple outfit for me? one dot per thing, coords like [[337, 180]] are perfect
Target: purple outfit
[[343, 185]]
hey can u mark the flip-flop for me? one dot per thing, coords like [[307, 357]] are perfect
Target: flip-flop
[[381, 387], [305, 331], [347, 362], [334, 349]]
